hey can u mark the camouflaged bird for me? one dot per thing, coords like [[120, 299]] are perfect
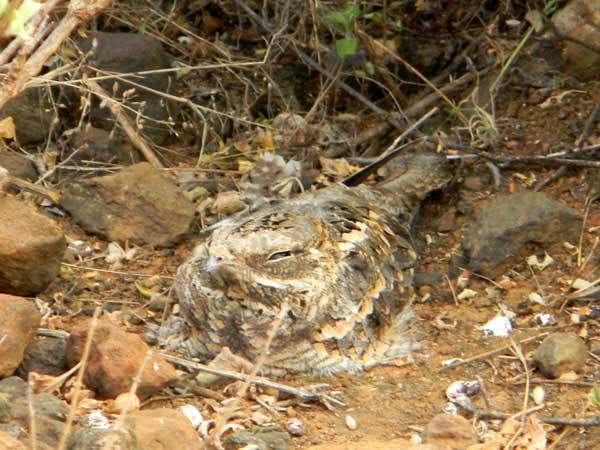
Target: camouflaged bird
[[341, 261]]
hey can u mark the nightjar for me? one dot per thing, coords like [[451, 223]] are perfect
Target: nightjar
[[341, 261]]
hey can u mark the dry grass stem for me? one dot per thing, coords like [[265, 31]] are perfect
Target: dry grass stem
[[78, 12], [79, 380], [492, 352]]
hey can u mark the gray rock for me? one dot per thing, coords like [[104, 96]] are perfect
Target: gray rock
[[271, 440], [46, 356], [162, 429], [32, 114], [507, 227], [103, 439], [17, 165], [19, 321], [50, 412], [560, 353], [138, 204], [14, 437], [580, 20], [94, 145], [127, 53], [453, 431], [31, 248], [8, 442]]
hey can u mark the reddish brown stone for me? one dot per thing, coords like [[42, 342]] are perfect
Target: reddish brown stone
[[162, 429], [115, 359], [19, 321]]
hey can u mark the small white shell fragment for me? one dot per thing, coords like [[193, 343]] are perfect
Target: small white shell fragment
[[416, 439], [534, 297], [450, 409], [192, 414], [295, 427], [96, 419], [462, 281], [500, 326], [451, 362], [544, 319], [547, 262], [570, 248], [533, 261], [462, 388], [538, 394], [467, 294], [351, 422], [580, 284]]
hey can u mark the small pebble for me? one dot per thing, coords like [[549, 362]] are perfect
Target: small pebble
[[295, 427], [416, 439], [538, 395], [467, 294], [351, 423], [192, 414], [560, 353]]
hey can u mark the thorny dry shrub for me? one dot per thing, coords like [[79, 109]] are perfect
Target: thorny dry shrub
[[240, 65]]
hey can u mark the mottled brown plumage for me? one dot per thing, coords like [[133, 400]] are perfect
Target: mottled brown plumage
[[340, 258]]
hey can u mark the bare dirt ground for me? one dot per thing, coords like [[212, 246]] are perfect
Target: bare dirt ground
[[387, 401]]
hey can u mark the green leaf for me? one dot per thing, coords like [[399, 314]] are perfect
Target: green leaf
[[346, 47], [375, 17], [550, 6], [17, 24], [344, 19], [369, 68], [594, 397], [142, 26]]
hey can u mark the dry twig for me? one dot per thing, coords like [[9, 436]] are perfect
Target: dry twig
[[304, 394], [78, 12], [492, 352]]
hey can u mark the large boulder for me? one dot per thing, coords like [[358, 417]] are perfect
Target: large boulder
[[138, 204], [509, 228], [19, 321], [31, 248], [32, 115], [130, 53]]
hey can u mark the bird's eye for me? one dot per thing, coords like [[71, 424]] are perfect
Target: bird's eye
[[279, 255]]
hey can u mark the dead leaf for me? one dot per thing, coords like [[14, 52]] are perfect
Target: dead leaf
[[267, 141], [124, 402], [533, 436], [338, 167], [225, 360], [115, 255], [7, 128], [558, 98], [227, 202], [40, 382], [144, 292]]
